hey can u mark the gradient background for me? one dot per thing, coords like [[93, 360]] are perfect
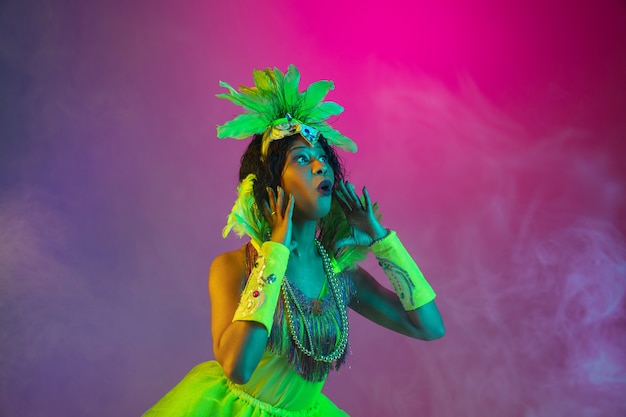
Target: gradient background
[[491, 133]]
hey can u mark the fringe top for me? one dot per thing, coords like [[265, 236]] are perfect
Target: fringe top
[[324, 322]]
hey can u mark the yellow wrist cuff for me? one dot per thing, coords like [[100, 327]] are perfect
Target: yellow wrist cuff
[[408, 281], [260, 296]]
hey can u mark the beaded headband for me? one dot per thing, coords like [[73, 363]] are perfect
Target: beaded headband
[[275, 108]]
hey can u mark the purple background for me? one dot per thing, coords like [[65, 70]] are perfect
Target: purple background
[[491, 133]]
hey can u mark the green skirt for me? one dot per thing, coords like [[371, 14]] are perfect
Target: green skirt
[[206, 391]]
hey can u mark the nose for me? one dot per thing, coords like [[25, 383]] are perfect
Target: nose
[[320, 168]]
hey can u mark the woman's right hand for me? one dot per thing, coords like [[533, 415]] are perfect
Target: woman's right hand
[[279, 213]]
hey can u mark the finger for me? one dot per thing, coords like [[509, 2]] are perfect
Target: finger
[[361, 200], [342, 200], [368, 200], [272, 199], [354, 197], [348, 195], [267, 212], [280, 202], [290, 205]]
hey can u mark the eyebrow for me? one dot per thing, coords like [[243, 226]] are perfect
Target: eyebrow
[[309, 149], [297, 149]]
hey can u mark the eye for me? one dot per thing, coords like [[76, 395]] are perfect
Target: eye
[[302, 159], [323, 158]]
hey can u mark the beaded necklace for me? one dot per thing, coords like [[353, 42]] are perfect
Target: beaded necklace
[[317, 319], [291, 303]]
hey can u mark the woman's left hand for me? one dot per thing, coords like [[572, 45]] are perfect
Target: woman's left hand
[[364, 225]]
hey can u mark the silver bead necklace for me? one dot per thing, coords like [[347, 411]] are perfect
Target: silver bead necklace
[[289, 297]]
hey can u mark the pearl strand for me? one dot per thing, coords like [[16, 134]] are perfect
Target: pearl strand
[[334, 288]]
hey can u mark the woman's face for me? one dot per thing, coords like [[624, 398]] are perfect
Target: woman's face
[[309, 178]]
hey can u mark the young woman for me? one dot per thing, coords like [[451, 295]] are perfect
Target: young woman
[[279, 303]]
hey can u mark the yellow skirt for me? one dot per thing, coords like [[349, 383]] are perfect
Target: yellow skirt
[[205, 391]]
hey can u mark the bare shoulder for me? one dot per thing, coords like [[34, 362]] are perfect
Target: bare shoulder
[[228, 268], [230, 260]]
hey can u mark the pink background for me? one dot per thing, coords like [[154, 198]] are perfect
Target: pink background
[[492, 134]]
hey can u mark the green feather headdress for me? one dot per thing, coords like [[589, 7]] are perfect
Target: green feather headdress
[[275, 107]]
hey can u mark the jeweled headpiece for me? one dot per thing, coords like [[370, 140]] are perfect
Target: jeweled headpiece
[[275, 108]]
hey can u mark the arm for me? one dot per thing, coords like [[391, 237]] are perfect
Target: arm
[[237, 345], [411, 310], [241, 321], [382, 306]]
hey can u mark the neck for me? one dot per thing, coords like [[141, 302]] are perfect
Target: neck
[[303, 238]]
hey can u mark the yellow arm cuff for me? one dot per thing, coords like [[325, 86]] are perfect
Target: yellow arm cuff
[[260, 296], [408, 281]]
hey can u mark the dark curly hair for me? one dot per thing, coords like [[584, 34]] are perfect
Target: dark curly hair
[[268, 171]]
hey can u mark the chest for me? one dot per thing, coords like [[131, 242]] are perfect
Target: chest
[[307, 276]]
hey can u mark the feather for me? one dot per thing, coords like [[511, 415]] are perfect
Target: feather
[[263, 81], [242, 126], [276, 81], [334, 227], [250, 91], [261, 103], [325, 110], [273, 96], [335, 138], [248, 102], [279, 79], [245, 217], [314, 95], [232, 90], [290, 86], [251, 100]]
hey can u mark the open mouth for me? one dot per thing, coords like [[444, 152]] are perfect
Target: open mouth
[[325, 188]]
